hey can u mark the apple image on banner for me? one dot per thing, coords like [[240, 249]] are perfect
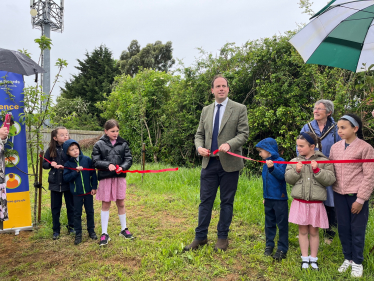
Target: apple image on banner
[[12, 180], [15, 129], [12, 159]]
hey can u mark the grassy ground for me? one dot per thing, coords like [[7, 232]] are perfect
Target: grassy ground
[[162, 214]]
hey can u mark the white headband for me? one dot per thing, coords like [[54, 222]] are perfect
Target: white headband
[[351, 119]]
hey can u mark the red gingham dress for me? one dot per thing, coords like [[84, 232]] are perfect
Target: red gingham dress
[[313, 214], [111, 189]]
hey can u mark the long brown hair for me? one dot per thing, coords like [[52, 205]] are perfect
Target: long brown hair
[[111, 123], [316, 140], [52, 144]]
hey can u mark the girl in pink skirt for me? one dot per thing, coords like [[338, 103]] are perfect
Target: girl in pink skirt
[[309, 191], [111, 155]]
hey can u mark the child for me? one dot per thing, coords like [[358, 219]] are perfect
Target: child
[[275, 198], [57, 185], [352, 189], [309, 191], [83, 185], [109, 151]]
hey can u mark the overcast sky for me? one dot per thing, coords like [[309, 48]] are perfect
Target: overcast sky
[[188, 24]]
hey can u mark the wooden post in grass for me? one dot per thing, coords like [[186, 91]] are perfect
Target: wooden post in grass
[[40, 185], [143, 159]]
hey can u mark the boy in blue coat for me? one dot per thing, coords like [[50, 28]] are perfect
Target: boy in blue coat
[[83, 185], [275, 198]]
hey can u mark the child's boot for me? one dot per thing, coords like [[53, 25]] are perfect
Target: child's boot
[[279, 255], [78, 239], [56, 235], [93, 235], [268, 251]]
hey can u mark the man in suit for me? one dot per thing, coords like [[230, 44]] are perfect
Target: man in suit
[[223, 126]]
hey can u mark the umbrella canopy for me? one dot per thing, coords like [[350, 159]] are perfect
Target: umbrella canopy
[[340, 35], [17, 62]]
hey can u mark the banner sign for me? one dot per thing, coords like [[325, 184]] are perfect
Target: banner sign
[[17, 183]]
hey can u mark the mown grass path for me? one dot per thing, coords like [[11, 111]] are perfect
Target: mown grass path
[[162, 214]]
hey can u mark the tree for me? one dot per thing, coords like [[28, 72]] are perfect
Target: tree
[[306, 5], [139, 105], [73, 114], [96, 75], [156, 56], [267, 75]]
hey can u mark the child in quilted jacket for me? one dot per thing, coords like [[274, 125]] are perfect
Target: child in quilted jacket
[[309, 191], [352, 189]]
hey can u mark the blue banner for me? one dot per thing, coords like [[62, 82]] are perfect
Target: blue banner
[[17, 183]]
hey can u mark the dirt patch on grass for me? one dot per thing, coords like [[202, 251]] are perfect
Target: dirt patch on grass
[[10, 243], [133, 263]]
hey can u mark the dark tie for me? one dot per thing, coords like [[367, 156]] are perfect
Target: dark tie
[[215, 130]]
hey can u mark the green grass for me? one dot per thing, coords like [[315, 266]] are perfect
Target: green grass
[[162, 213]]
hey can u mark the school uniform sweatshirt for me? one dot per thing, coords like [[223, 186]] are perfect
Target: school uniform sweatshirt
[[353, 178]]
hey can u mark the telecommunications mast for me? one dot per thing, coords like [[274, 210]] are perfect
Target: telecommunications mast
[[46, 15]]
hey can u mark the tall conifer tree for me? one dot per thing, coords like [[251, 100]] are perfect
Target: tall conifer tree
[[95, 77]]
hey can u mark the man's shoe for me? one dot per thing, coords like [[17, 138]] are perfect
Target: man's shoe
[[78, 239], [92, 235], [56, 235], [279, 255], [221, 244], [268, 251], [195, 244]]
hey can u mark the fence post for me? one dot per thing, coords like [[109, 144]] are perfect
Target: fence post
[[40, 185], [143, 159]]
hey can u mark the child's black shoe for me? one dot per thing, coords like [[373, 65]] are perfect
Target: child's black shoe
[[56, 235], [268, 251], [279, 255], [70, 229], [93, 235], [78, 239]]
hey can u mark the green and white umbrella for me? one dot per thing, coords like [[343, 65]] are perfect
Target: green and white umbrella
[[340, 35]]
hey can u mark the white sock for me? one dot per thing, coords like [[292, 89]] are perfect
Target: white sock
[[122, 219], [311, 259], [104, 221], [305, 265]]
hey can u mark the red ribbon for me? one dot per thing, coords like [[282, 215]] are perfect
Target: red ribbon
[[127, 171], [304, 162]]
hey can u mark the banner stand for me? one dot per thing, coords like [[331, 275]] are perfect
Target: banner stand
[[17, 229]]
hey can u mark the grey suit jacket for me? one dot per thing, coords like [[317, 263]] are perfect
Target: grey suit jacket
[[233, 130]]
